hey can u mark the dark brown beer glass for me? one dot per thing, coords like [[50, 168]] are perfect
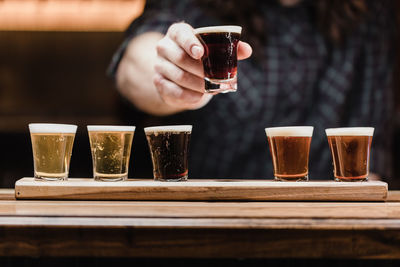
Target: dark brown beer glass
[[220, 57], [169, 147], [290, 147], [350, 148]]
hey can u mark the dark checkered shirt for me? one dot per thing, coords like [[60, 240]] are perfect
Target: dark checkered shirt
[[301, 80]]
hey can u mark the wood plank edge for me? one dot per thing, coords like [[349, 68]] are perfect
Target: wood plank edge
[[200, 223]]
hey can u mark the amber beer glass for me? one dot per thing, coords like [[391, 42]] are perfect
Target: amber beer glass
[[169, 147], [220, 57], [111, 149], [350, 148], [290, 147], [52, 149]]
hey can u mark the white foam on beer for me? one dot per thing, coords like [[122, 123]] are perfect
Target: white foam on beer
[[169, 128], [52, 128], [298, 131], [110, 128], [214, 29], [350, 131]]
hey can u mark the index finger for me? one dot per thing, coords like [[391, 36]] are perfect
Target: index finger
[[183, 35]]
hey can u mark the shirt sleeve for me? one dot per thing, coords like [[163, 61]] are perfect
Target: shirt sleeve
[[157, 16]]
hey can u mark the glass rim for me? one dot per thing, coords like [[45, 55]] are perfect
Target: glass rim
[[52, 128], [350, 131], [169, 128], [295, 131], [110, 128], [216, 29]]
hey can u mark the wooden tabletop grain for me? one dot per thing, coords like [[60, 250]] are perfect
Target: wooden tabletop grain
[[199, 229], [200, 190]]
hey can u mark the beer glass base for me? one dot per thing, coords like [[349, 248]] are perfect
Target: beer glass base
[[50, 179], [180, 179], [215, 86], [37, 178], [108, 179], [343, 179], [291, 179]]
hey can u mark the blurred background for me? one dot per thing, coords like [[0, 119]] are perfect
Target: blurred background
[[53, 60]]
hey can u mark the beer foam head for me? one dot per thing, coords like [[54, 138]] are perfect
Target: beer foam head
[[350, 131], [298, 131], [52, 128], [216, 29], [110, 128], [168, 128]]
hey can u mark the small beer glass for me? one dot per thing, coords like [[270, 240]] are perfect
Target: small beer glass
[[111, 149], [52, 149], [220, 57], [350, 148], [290, 147], [169, 146]]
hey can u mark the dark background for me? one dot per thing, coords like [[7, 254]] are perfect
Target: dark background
[[61, 77]]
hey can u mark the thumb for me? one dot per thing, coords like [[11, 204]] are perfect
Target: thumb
[[244, 50]]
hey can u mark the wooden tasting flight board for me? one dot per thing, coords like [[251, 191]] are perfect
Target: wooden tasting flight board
[[201, 190]]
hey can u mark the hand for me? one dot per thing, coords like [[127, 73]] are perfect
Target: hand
[[179, 76]]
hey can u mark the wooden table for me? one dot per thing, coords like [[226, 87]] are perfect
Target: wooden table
[[200, 229]]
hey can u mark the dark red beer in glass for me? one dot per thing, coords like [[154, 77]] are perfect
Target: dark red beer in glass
[[220, 57]]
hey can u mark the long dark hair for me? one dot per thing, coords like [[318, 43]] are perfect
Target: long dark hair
[[334, 18]]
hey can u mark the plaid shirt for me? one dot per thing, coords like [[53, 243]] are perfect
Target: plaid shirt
[[301, 80]]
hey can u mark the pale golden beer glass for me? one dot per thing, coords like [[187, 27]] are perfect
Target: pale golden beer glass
[[290, 148], [52, 149], [111, 149], [169, 148], [350, 148]]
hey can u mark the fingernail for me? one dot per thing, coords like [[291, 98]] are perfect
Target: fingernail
[[196, 51]]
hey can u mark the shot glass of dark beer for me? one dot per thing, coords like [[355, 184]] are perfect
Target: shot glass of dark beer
[[290, 148], [350, 148], [169, 147], [220, 57]]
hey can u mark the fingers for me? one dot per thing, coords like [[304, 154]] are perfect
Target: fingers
[[179, 76], [244, 50], [179, 70], [175, 95], [183, 35], [168, 49]]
